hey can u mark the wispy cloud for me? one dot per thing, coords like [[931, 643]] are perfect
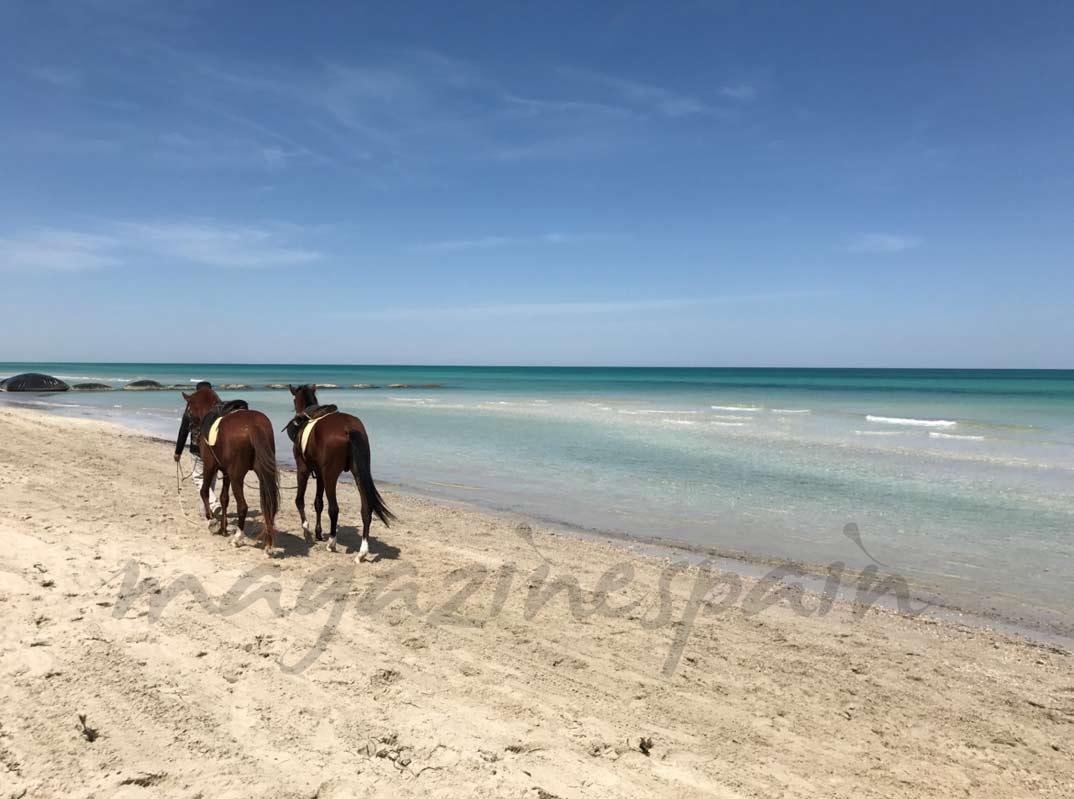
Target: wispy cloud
[[574, 307], [490, 242], [122, 243], [655, 99], [520, 309], [52, 250], [738, 91], [387, 118], [881, 243], [212, 244], [64, 77], [530, 106]]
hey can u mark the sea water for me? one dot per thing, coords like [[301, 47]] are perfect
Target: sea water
[[959, 479]]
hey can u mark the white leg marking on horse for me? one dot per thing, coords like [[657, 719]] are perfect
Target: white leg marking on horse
[[237, 537], [331, 544], [363, 550], [306, 526]]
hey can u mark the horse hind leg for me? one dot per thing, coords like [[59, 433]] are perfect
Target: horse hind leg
[[300, 501], [367, 519], [241, 508], [318, 504], [268, 529], [330, 480], [221, 526], [202, 477]]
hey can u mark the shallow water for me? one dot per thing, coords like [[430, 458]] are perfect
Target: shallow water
[[957, 479]]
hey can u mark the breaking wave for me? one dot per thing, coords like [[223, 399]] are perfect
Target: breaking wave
[[910, 422]]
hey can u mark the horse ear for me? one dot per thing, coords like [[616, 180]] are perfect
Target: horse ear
[[293, 389], [186, 396]]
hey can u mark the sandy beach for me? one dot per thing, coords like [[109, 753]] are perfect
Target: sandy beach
[[446, 668]]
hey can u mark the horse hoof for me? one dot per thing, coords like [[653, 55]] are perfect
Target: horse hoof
[[331, 545], [236, 540]]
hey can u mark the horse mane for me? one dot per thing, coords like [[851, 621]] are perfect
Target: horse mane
[[202, 400], [309, 393]]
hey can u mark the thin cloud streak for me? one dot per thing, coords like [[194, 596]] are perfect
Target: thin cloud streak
[[63, 77], [574, 308], [53, 250], [119, 244], [881, 243], [739, 91], [655, 99], [212, 244], [490, 242]]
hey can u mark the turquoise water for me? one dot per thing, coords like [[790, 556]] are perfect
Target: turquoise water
[[959, 479]]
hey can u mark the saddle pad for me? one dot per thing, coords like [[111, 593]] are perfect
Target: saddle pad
[[307, 429], [214, 428]]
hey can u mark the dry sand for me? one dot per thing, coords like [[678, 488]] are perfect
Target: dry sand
[[196, 703]]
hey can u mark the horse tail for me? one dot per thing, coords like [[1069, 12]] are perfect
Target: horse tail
[[268, 477], [360, 464]]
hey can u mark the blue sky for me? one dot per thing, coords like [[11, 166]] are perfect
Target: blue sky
[[695, 183]]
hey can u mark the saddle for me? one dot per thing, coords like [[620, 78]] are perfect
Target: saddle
[[317, 411], [304, 422], [210, 425]]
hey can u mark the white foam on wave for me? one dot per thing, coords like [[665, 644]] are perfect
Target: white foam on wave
[[678, 421], [876, 432], [743, 408], [785, 411], [910, 422], [731, 418], [727, 424], [956, 436], [54, 404], [657, 410]]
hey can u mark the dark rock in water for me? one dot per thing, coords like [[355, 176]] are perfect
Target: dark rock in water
[[398, 385], [91, 387], [431, 385], [33, 381], [142, 385]]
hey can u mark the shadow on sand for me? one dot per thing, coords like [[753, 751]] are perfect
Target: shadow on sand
[[350, 538], [291, 545]]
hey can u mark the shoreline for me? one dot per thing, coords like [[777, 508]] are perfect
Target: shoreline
[[1039, 629], [1036, 630], [476, 654]]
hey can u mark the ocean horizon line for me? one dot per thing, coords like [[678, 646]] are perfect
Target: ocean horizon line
[[371, 365]]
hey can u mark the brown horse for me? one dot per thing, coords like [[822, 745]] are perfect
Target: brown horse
[[244, 441], [337, 443]]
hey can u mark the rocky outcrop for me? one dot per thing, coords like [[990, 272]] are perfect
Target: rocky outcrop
[[33, 381], [143, 385]]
